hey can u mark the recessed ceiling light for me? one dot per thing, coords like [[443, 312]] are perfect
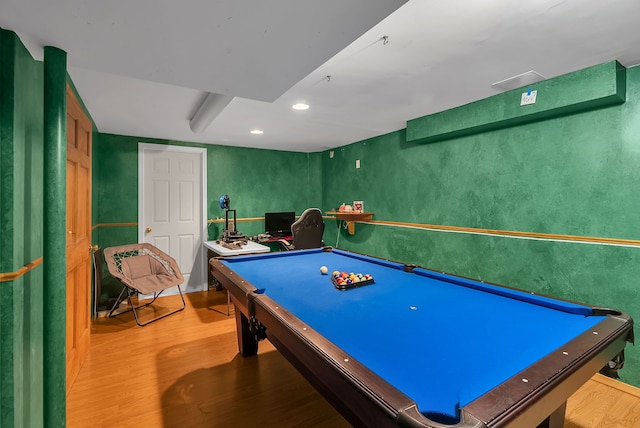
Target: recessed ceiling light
[[257, 131], [300, 106]]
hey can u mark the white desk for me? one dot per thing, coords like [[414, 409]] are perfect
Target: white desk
[[250, 248]]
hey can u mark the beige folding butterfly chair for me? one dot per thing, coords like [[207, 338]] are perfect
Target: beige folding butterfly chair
[[144, 269]]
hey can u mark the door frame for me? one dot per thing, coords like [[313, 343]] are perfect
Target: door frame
[[142, 148]]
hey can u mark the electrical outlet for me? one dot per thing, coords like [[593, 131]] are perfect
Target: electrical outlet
[[331, 154], [528, 97], [357, 163]]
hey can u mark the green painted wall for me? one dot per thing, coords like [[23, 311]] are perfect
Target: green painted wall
[[573, 175], [25, 363], [594, 87], [257, 181], [55, 236], [21, 303]]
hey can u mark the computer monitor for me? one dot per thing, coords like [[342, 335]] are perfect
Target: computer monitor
[[279, 224]]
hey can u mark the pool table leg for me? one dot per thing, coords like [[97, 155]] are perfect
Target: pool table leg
[[555, 419], [247, 341]]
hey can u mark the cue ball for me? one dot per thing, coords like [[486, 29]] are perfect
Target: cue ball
[[324, 270]]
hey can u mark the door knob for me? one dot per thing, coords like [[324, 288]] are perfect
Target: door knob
[[94, 247], [148, 230]]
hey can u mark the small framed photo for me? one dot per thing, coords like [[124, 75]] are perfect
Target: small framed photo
[[358, 206]]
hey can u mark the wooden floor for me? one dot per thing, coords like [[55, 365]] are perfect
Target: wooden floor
[[185, 371]]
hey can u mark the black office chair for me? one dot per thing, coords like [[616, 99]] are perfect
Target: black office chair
[[306, 231]]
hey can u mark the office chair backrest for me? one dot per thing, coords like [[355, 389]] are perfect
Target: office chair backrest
[[308, 229]]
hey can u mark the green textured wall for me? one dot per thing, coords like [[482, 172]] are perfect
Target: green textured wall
[[599, 86], [571, 175], [574, 175], [21, 305], [257, 181], [315, 180], [55, 235]]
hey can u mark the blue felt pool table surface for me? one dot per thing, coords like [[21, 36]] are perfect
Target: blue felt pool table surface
[[440, 339]]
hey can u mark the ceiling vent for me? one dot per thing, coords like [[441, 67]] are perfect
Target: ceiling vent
[[524, 79]]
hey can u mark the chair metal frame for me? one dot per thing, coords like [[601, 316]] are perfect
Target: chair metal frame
[[114, 256]]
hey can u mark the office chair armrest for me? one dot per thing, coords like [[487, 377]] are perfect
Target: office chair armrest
[[286, 245]]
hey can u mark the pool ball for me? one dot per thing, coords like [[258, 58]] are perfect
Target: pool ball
[[324, 270]]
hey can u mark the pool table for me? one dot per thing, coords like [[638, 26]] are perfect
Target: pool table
[[416, 347]]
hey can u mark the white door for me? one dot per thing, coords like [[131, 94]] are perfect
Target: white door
[[172, 208]]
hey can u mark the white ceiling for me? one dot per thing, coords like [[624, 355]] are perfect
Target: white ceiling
[[143, 67]]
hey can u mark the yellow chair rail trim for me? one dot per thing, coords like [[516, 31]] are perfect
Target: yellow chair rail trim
[[94, 227], [506, 233], [516, 234], [12, 276]]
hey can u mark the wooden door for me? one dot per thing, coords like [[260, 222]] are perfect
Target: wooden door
[[172, 208], [78, 236]]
